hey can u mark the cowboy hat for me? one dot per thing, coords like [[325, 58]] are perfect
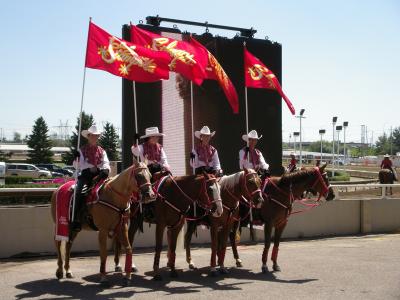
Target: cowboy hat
[[386, 155], [92, 130], [251, 135], [203, 131], [151, 131]]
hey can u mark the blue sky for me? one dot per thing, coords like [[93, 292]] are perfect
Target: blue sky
[[339, 58]]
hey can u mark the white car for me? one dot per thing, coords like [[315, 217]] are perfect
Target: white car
[[26, 170]]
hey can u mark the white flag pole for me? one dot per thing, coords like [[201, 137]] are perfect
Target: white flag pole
[[192, 118], [79, 131], [136, 121]]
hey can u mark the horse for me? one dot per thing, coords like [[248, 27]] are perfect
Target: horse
[[386, 176], [109, 215], [244, 184], [279, 194], [178, 198]]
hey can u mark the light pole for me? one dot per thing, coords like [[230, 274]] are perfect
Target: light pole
[[345, 124], [300, 116], [321, 133], [338, 130], [334, 120]]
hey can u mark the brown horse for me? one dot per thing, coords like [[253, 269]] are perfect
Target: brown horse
[[178, 198], [108, 216], [279, 195], [386, 176], [244, 184]]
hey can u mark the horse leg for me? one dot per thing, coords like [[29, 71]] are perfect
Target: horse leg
[[68, 247], [159, 239], [275, 249], [191, 227], [124, 240], [267, 243], [117, 254], [59, 272], [172, 240], [214, 242], [222, 241], [103, 234], [133, 228], [232, 238]]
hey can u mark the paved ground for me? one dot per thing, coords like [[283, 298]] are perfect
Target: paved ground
[[337, 268]]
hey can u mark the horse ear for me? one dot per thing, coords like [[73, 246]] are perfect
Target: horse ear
[[322, 168], [245, 170], [146, 161], [134, 160]]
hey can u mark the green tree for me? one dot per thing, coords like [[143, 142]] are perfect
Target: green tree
[[316, 147], [382, 145], [5, 156], [109, 141], [87, 121], [17, 137], [39, 143]]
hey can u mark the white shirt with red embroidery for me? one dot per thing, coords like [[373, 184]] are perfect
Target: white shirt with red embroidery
[[213, 163], [138, 151], [84, 164], [246, 163]]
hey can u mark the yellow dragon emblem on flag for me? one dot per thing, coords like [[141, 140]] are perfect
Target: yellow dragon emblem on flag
[[257, 72], [164, 44]]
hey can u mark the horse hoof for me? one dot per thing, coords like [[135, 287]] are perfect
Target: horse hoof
[[59, 275], [118, 269], [239, 264], [157, 277], [173, 274], [135, 269], [276, 268], [69, 275], [213, 273], [264, 269], [223, 271], [192, 267]]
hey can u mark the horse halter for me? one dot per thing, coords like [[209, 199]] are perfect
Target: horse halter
[[134, 173], [320, 179], [204, 192], [246, 189]]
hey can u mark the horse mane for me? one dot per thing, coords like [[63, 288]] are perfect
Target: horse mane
[[295, 177], [112, 179], [230, 181]]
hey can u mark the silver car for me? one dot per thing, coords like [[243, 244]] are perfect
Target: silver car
[[26, 170]]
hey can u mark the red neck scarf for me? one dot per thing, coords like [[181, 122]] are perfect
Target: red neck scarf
[[254, 156], [205, 153], [153, 151], [92, 154]]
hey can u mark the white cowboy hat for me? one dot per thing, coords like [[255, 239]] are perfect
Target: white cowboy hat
[[203, 131], [152, 131], [386, 155], [251, 135], [92, 130]]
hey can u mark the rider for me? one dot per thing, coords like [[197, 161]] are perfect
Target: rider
[[387, 164], [252, 158], [151, 150], [204, 157], [292, 165], [93, 161]]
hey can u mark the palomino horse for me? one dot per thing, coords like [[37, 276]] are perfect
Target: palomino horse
[[108, 216], [279, 195], [386, 176], [244, 184], [177, 199]]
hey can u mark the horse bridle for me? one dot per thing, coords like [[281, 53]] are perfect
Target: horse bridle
[[320, 179]]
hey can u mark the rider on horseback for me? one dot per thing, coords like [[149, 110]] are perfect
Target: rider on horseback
[[387, 164], [93, 161], [252, 158], [204, 157], [152, 151], [292, 165]]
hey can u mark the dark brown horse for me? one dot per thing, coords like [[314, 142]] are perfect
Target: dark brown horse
[[279, 195], [178, 198], [107, 214], [386, 176], [244, 184]]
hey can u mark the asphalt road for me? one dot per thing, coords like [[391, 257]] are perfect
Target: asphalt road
[[365, 267]]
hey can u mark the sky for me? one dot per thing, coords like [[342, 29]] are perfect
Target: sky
[[339, 58]]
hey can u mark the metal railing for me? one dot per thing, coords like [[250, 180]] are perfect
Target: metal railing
[[374, 191]]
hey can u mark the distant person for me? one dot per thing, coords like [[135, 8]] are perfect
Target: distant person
[[252, 158], [387, 164], [292, 164]]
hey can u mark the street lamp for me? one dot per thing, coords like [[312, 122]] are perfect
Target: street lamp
[[334, 120], [345, 124], [321, 133], [295, 135], [338, 130], [300, 116]]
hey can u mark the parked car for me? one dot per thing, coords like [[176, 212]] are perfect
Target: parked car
[[54, 168], [53, 174], [26, 170], [71, 168]]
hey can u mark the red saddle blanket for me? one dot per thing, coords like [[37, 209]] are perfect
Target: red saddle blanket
[[65, 194]]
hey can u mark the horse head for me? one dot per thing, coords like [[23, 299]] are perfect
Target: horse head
[[142, 176], [321, 184], [213, 194], [252, 187]]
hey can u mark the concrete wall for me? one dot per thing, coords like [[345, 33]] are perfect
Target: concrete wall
[[30, 228]]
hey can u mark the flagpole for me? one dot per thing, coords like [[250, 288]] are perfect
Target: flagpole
[[80, 129], [136, 122], [192, 118]]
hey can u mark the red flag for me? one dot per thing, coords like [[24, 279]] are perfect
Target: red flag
[[257, 75], [215, 71], [124, 59], [186, 59]]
